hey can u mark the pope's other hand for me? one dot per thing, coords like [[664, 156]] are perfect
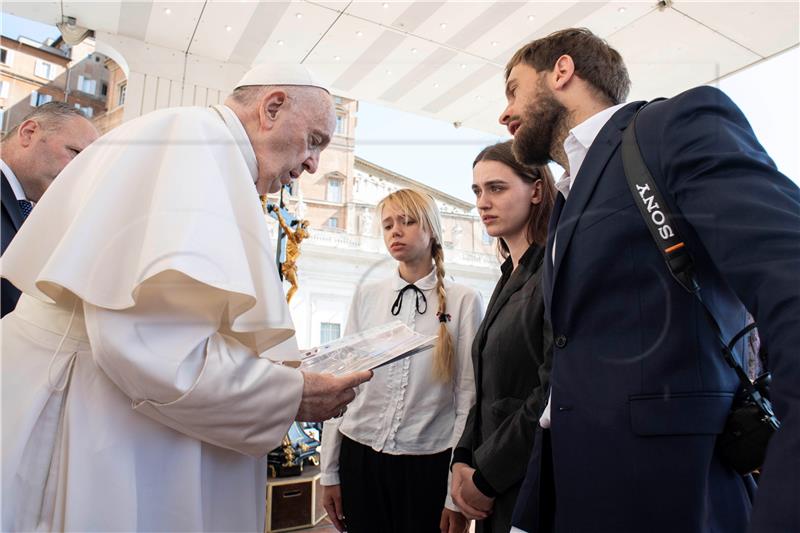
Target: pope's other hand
[[326, 396]]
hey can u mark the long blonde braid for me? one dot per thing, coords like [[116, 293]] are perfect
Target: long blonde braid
[[443, 353], [422, 207]]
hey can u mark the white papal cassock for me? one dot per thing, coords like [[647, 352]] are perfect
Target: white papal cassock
[[132, 395]]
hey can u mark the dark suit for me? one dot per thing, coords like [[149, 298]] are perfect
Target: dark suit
[[639, 387], [511, 357], [11, 221]]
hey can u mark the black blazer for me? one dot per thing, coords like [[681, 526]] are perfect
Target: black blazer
[[511, 355], [639, 388], [11, 220]]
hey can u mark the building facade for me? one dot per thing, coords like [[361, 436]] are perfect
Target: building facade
[[33, 73], [115, 100], [345, 247]]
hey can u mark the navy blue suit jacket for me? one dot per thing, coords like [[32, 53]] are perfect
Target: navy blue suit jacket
[[11, 220], [639, 388]]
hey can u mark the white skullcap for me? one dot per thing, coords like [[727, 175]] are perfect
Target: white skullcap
[[280, 74]]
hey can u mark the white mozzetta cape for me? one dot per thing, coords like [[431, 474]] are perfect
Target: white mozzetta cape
[[133, 397]]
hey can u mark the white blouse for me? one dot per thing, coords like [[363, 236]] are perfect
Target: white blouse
[[403, 409]]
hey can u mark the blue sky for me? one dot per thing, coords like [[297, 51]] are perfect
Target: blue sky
[[436, 153], [15, 27]]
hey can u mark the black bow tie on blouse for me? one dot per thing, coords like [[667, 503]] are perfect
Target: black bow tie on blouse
[[398, 303]]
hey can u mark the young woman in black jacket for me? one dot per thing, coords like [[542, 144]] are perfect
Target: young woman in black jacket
[[512, 349]]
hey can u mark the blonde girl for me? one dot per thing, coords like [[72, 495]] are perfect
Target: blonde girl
[[385, 463]]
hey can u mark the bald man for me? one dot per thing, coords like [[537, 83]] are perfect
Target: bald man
[[33, 154]]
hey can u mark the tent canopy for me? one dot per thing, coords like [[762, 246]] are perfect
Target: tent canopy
[[442, 59]]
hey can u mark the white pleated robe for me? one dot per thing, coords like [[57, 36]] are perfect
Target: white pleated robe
[[133, 397]]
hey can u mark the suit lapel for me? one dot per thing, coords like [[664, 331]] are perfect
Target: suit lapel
[[585, 182], [10, 204], [515, 282]]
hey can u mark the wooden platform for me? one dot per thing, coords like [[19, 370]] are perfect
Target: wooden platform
[[295, 503]]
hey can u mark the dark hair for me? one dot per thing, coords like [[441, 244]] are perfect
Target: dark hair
[[595, 61], [539, 216], [49, 115]]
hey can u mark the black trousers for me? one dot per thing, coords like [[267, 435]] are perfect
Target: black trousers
[[384, 493]]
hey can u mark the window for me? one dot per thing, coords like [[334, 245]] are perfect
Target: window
[[333, 222], [38, 99], [44, 69], [4, 87], [87, 111], [341, 124], [104, 89], [6, 56], [122, 90], [334, 193], [329, 331], [87, 85]]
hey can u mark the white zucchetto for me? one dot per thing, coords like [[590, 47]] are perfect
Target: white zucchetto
[[280, 74]]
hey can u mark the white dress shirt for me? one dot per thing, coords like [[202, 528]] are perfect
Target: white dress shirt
[[16, 186], [577, 145], [404, 410]]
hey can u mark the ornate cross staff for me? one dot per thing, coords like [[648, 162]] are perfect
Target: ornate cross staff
[[288, 248]]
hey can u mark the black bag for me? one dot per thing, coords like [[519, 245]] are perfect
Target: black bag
[[742, 445]]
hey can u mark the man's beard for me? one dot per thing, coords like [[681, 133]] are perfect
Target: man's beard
[[541, 123]]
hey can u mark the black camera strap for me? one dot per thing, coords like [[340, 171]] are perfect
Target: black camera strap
[[661, 224]]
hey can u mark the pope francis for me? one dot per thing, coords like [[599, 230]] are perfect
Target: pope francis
[[133, 396]]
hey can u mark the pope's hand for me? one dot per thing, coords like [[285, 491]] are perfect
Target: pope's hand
[[326, 396]]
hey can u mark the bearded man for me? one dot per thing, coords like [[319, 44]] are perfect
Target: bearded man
[[639, 387], [134, 398]]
